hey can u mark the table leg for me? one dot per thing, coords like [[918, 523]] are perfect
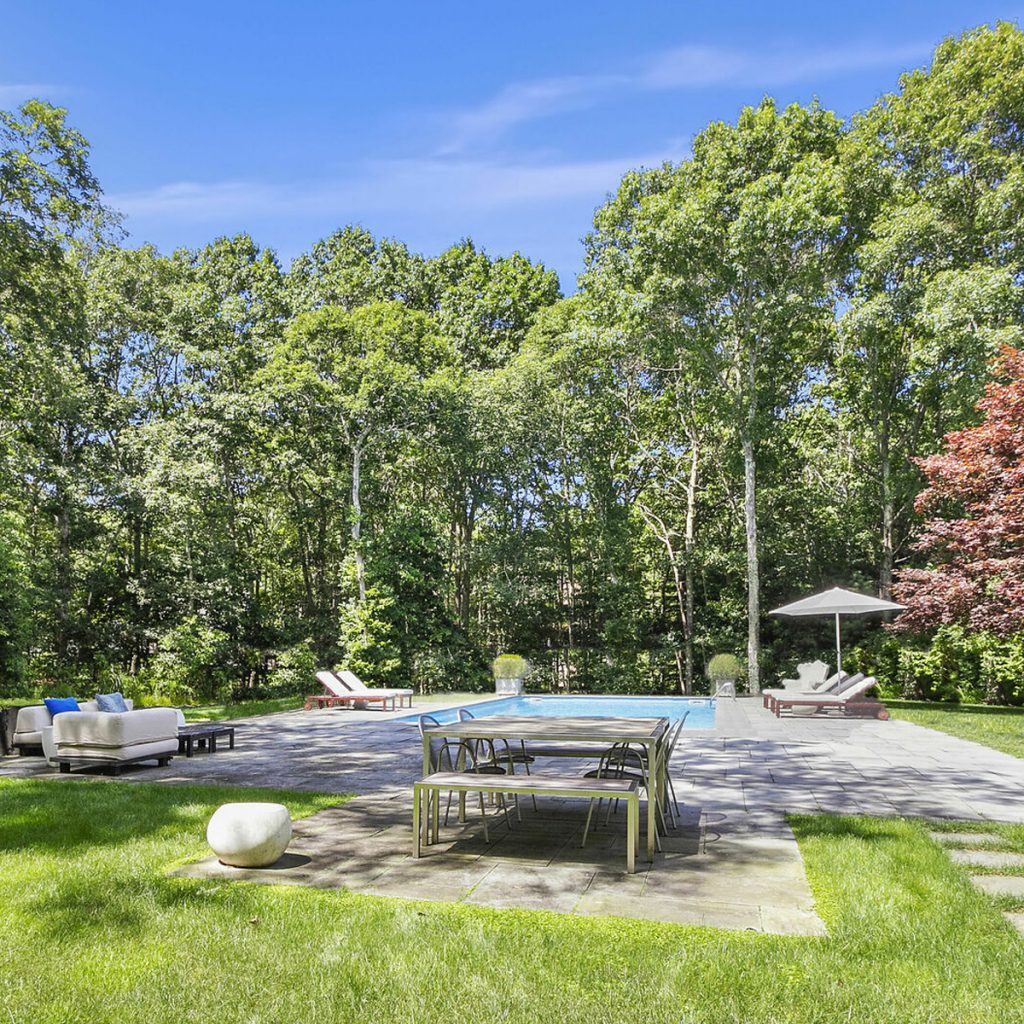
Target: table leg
[[213, 743], [231, 740], [416, 820], [188, 745], [653, 787], [632, 830]]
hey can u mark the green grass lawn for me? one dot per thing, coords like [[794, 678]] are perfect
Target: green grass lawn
[[1000, 728], [248, 708], [92, 929], [243, 709]]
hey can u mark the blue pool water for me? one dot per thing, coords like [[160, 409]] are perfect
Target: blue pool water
[[701, 709]]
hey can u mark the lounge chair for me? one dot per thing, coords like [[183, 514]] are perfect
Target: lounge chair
[[831, 686], [849, 699], [350, 681], [336, 695]]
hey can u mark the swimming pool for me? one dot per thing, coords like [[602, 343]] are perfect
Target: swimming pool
[[701, 709]]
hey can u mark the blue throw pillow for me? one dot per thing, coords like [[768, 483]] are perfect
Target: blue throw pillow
[[58, 705], [111, 702]]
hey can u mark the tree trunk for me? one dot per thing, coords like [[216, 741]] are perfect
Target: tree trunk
[[885, 570], [357, 523], [750, 523], [464, 568], [688, 537]]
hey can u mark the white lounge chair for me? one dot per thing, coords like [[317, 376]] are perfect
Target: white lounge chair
[[832, 686], [335, 694], [350, 681], [848, 698]]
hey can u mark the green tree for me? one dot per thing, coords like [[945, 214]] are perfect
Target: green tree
[[732, 256]]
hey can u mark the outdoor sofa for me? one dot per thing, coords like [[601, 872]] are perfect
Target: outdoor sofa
[[93, 738]]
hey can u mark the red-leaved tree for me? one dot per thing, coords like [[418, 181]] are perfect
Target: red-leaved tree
[[973, 506]]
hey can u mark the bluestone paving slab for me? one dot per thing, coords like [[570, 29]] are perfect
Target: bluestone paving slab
[[1016, 918], [777, 920], [671, 911], [999, 885], [530, 887], [965, 838], [987, 858]]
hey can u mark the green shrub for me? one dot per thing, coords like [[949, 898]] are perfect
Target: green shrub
[[368, 641], [510, 666], [954, 665], [725, 666]]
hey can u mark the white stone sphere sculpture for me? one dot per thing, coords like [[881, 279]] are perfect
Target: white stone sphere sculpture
[[251, 835]]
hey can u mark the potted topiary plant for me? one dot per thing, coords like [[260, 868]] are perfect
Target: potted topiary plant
[[724, 670], [509, 672]]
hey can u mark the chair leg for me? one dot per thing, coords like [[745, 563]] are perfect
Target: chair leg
[[526, 765], [417, 825]]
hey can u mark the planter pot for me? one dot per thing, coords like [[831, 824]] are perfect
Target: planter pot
[[723, 688], [508, 686]]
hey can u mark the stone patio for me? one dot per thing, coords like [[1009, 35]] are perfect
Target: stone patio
[[734, 863], [728, 878]]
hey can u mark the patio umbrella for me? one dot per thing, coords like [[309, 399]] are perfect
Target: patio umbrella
[[838, 602]]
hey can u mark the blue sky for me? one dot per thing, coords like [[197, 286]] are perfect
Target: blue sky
[[508, 123]]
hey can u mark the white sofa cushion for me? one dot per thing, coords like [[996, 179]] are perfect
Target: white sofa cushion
[[104, 730], [30, 723], [153, 748]]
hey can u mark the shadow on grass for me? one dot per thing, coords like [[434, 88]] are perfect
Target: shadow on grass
[[49, 816], [82, 904], [832, 826]]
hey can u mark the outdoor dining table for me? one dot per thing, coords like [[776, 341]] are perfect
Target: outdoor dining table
[[648, 732]]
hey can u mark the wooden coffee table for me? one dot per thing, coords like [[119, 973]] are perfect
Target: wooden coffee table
[[192, 736]]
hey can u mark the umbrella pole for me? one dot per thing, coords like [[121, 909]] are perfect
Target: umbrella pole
[[839, 650]]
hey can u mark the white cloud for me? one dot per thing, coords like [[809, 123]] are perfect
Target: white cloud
[[684, 67], [694, 67], [527, 101], [392, 186]]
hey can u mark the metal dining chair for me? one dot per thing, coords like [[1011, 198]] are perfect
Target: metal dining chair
[[512, 756]]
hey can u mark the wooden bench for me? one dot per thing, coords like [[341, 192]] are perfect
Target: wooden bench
[[329, 700], [525, 785]]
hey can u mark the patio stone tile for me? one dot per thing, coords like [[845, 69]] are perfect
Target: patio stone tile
[[987, 858], [999, 885], [964, 838], [791, 921], [672, 911], [1016, 918], [436, 878], [609, 882], [528, 887]]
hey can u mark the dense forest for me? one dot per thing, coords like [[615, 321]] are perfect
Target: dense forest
[[217, 474]]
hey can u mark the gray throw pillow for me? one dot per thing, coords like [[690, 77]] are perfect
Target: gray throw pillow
[[111, 702]]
